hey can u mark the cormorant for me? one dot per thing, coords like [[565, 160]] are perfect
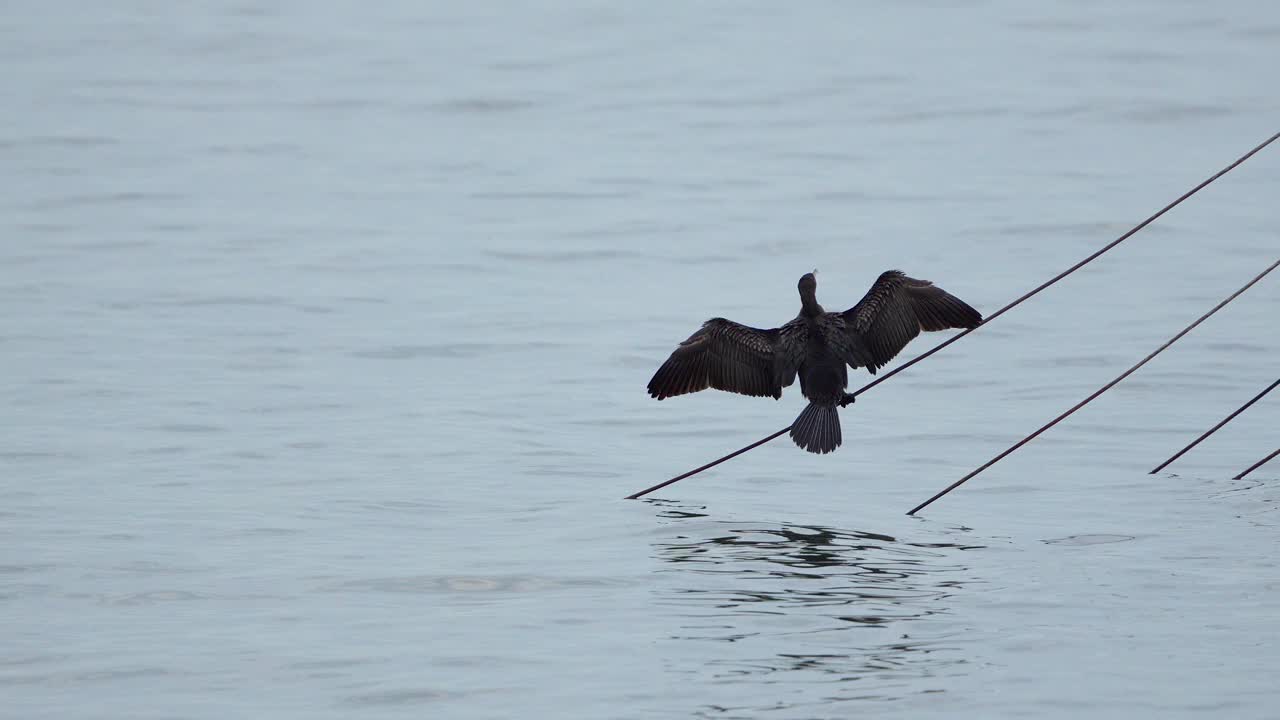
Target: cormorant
[[817, 346]]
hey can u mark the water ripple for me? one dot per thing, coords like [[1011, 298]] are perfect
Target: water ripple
[[782, 601]]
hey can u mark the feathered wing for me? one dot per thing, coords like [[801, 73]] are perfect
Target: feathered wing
[[726, 355], [894, 311]]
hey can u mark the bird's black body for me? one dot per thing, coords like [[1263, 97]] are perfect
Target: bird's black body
[[817, 346]]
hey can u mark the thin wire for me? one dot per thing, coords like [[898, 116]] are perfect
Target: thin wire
[[995, 315], [1257, 465], [1215, 428], [1095, 393]]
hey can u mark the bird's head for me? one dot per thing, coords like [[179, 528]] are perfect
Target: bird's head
[[809, 282]]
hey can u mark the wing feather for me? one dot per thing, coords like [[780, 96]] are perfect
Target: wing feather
[[729, 356], [894, 311]]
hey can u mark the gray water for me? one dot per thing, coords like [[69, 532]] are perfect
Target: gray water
[[324, 332]]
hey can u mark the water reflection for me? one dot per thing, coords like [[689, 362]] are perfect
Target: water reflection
[[786, 608]]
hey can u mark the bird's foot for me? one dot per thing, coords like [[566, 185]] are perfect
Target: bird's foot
[[847, 400]]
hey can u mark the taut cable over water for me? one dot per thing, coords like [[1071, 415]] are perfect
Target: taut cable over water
[[1257, 465], [1215, 428], [1096, 393], [993, 316]]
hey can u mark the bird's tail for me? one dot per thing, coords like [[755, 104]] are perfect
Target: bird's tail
[[817, 429]]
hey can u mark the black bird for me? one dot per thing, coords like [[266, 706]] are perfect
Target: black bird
[[817, 346]]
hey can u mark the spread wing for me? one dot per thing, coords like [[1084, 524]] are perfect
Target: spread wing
[[728, 356], [894, 311]]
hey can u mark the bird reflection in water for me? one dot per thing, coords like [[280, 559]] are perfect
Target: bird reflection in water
[[781, 607]]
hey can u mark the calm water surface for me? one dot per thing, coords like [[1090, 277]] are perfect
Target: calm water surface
[[324, 332]]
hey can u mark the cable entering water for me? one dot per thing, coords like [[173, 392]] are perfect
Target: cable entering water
[[1095, 394], [1215, 428]]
